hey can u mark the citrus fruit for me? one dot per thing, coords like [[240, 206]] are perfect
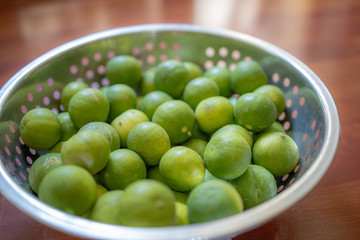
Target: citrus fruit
[[171, 77], [193, 69], [196, 144], [123, 69], [275, 127], [182, 168], [154, 173], [124, 167], [147, 82], [57, 147], [275, 94], [255, 112], [177, 118], [181, 213], [181, 196], [150, 141], [147, 203], [214, 113], [41, 167], [277, 152], [212, 200], [209, 176], [69, 90], [105, 129], [67, 127], [88, 105], [227, 155], [106, 209], [199, 89], [236, 129], [121, 97], [100, 190], [255, 186], [198, 133], [152, 100], [126, 121], [247, 76], [40, 129], [69, 188], [88, 149], [221, 76]]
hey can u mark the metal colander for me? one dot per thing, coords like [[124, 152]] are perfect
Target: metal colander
[[311, 117]]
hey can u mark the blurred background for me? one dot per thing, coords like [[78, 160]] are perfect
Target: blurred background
[[324, 34]]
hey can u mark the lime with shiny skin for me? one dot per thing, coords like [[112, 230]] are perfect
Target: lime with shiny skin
[[235, 128], [124, 69], [147, 82], [275, 94], [181, 212], [67, 126], [196, 144], [152, 100], [199, 89], [193, 69], [221, 76], [275, 127], [69, 90], [107, 208]]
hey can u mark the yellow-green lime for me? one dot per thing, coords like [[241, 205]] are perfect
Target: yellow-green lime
[[181, 196], [41, 167], [209, 176], [177, 118], [171, 77], [67, 127], [100, 190], [150, 141], [275, 127], [107, 130], [88, 105], [193, 69], [69, 90], [147, 82], [247, 76], [147, 203], [214, 113], [181, 212], [88, 149], [275, 94], [69, 188], [154, 173], [255, 186], [255, 112], [235, 128], [107, 208], [196, 144], [40, 128], [152, 100], [57, 147], [124, 69], [124, 167], [227, 155], [277, 152], [221, 76], [182, 168], [212, 200], [199, 89], [126, 121], [198, 133]]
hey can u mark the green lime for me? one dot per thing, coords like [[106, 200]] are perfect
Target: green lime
[[199, 89], [88, 105], [67, 127], [277, 152], [69, 188], [124, 167], [275, 94], [209, 176], [247, 76], [227, 155], [171, 77], [154, 173], [181, 212], [182, 168], [150, 141], [121, 97], [221, 76], [41, 167], [40, 129], [123, 69], [147, 203], [198, 145], [152, 100], [107, 130], [198, 133], [255, 186], [214, 113], [181, 196], [212, 200], [100, 190], [236, 129], [107, 208], [69, 90], [177, 118], [57, 147], [88, 149], [147, 82], [255, 112], [193, 69], [275, 127], [126, 121]]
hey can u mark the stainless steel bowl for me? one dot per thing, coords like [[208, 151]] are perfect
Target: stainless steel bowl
[[311, 117]]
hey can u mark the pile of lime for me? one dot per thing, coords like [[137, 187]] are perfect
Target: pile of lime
[[171, 145]]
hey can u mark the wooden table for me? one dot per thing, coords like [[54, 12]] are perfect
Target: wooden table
[[324, 34]]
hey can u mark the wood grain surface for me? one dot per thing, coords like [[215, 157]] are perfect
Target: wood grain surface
[[324, 34]]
